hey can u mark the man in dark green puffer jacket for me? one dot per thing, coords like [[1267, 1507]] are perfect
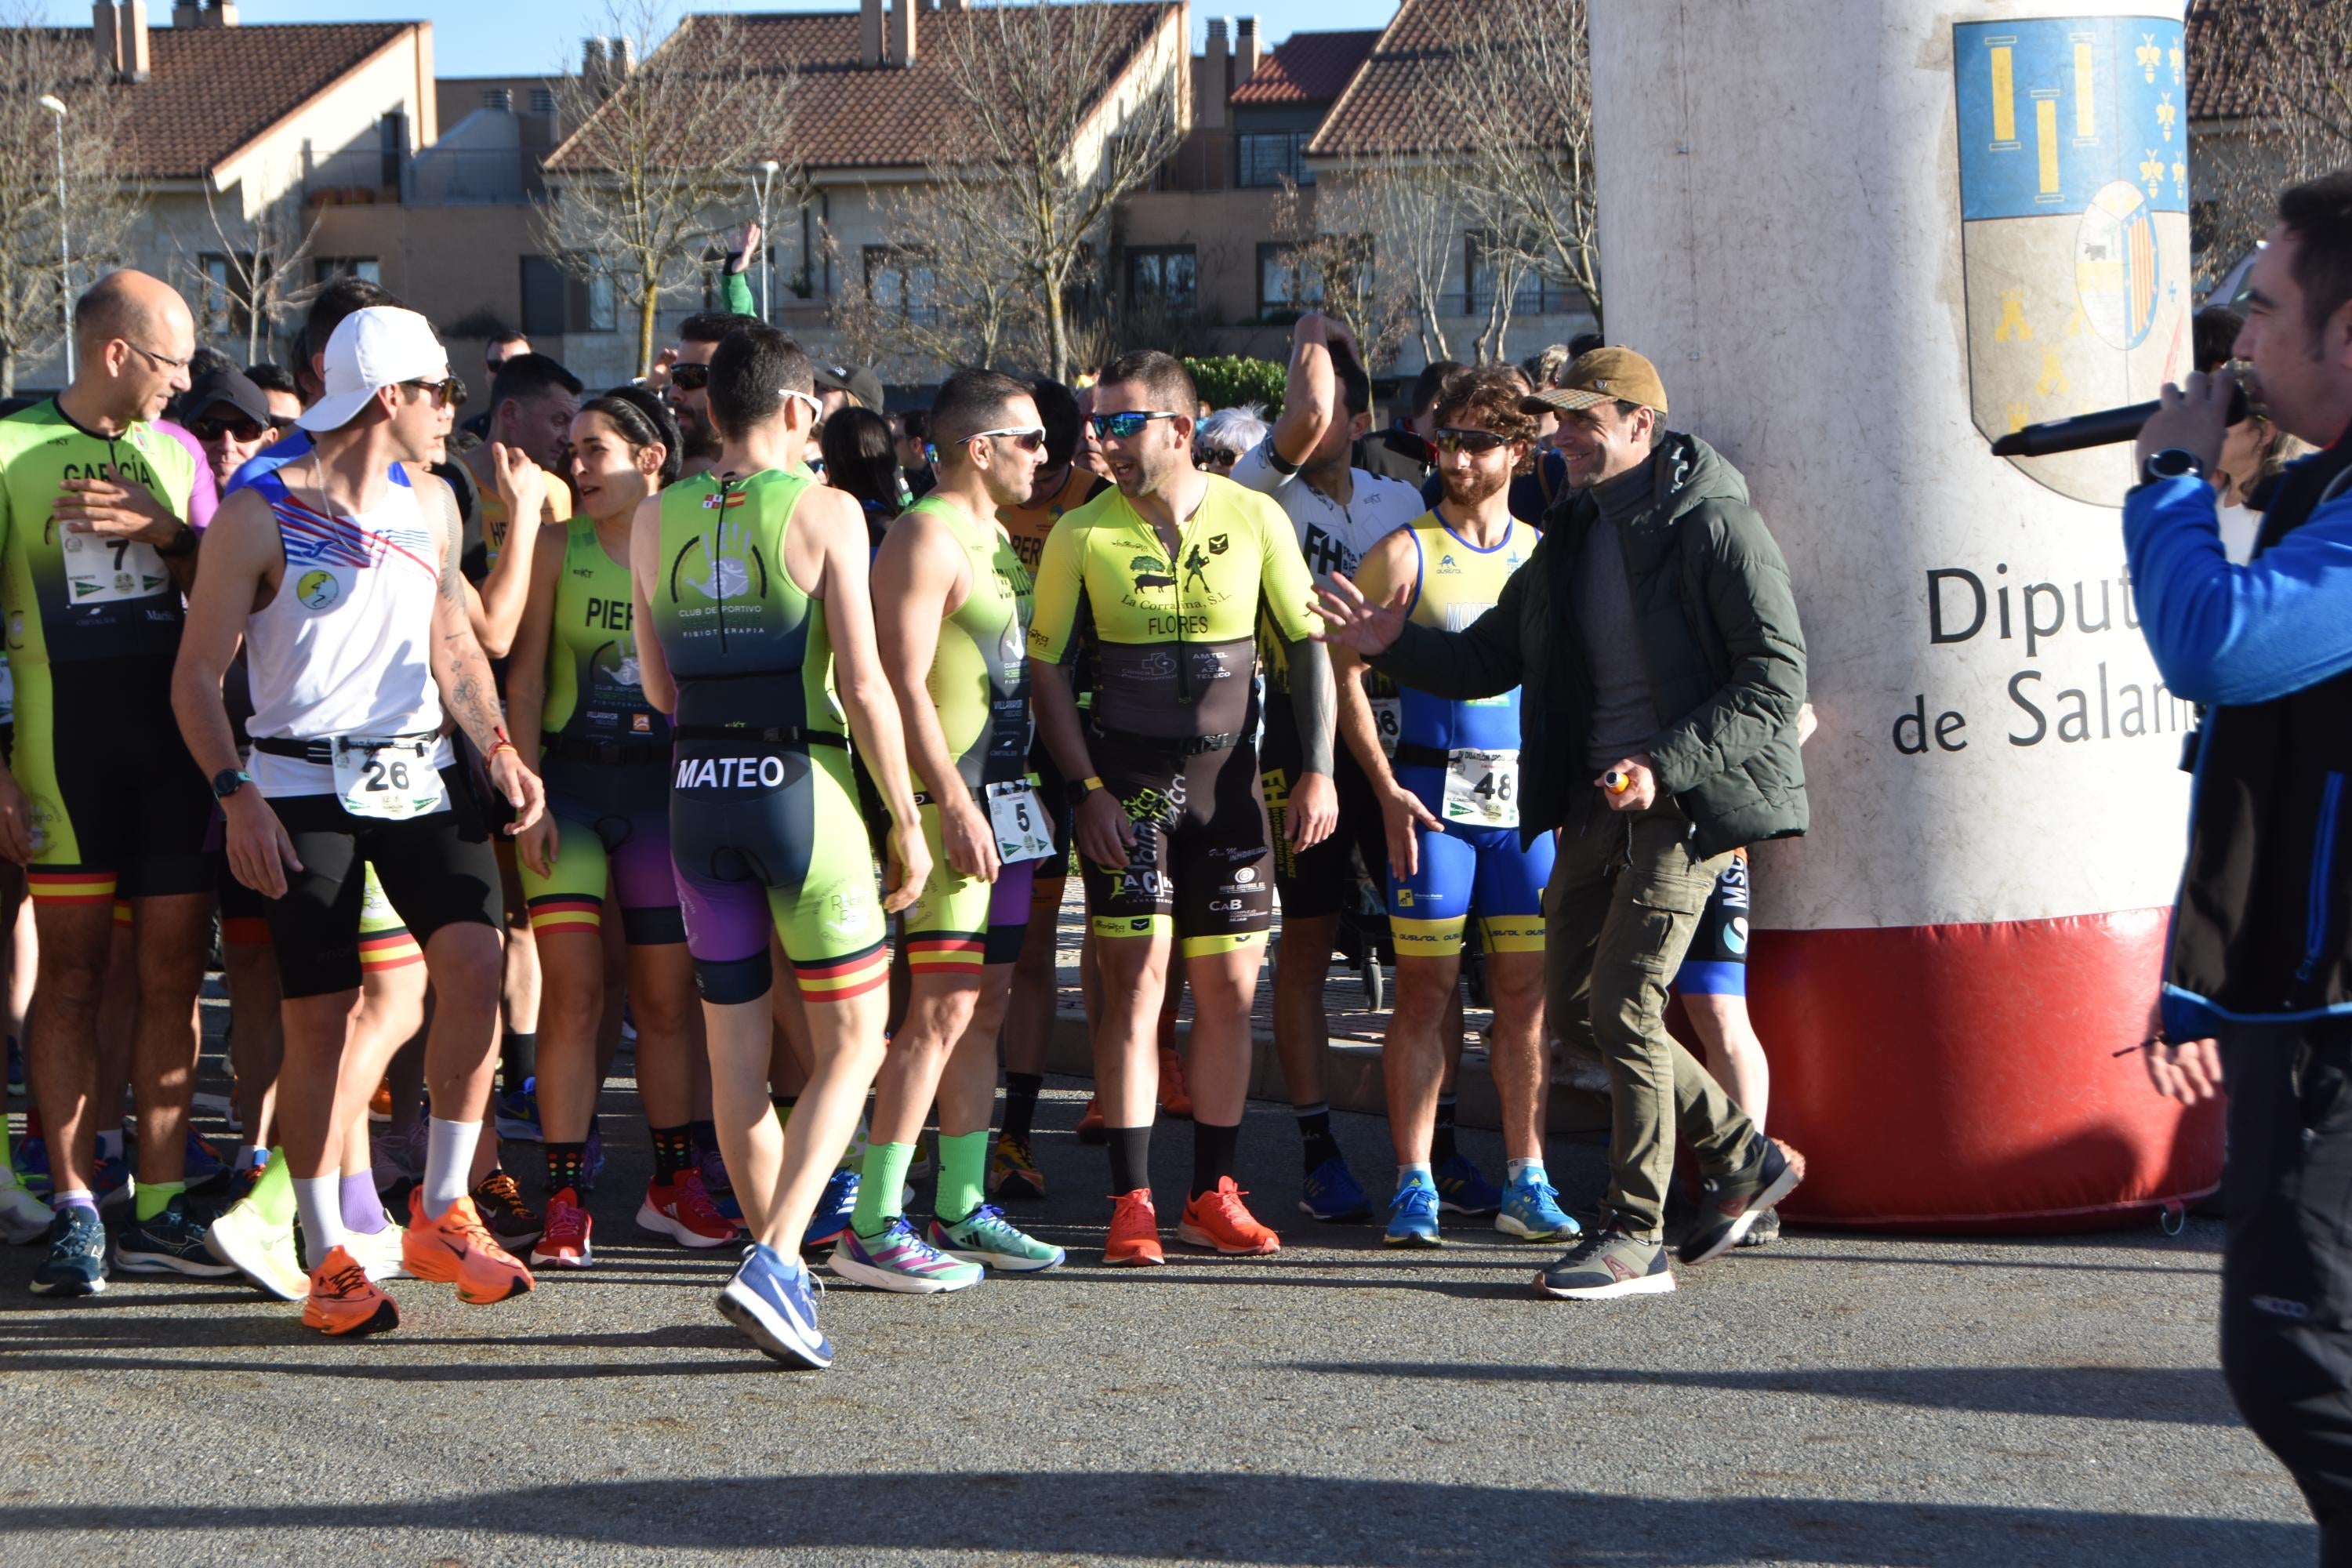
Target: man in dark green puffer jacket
[[1656, 641]]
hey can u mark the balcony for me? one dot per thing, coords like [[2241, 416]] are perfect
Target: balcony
[[436, 177]]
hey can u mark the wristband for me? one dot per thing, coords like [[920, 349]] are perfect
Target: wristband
[[501, 746], [1092, 783]]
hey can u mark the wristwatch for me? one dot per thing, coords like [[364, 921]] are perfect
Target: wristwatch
[[182, 543], [228, 781], [2170, 464], [1078, 789]]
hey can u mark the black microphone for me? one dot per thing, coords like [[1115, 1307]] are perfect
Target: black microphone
[[2104, 428]]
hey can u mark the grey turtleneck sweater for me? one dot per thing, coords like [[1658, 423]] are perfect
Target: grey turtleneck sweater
[[1624, 718]]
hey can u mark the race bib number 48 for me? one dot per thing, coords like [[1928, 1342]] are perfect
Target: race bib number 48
[[1482, 788], [388, 780]]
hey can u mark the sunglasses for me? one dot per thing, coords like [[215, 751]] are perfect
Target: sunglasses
[[1028, 437], [243, 431], [1209, 457], [1124, 426], [443, 392], [690, 377], [1478, 442]]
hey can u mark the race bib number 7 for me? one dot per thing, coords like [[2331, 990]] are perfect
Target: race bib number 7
[[102, 569], [1017, 815], [1482, 788], [388, 780]]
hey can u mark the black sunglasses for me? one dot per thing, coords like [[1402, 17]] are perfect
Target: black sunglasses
[[241, 430], [445, 392], [690, 377], [1451, 440]]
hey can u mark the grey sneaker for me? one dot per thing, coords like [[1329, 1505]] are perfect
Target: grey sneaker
[[1607, 1263], [1729, 1204], [1765, 1231]]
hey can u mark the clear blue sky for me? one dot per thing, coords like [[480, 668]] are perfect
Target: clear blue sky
[[497, 38]]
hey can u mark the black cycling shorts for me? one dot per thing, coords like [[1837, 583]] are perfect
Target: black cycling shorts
[[119, 808], [1321, 879], [438, 870], [1201, 864]]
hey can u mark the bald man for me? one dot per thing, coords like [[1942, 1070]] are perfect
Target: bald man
[[100, 798]]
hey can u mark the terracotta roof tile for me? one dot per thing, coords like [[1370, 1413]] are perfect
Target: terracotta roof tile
[[1307, 67], [1386, 109], [2217, 90], [210, 90], [851, 116]]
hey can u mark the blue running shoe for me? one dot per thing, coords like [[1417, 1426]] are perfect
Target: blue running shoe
[[591, 1158], [206, 1167], [112, 1181], [1330, 1194], [1531, 1212], [834, 1207], [774, 1300], [1413, 1217], [518, 1113], [31, 1161], [721, 1192], [1462, 1190], [76, 1264], [16, 1068]]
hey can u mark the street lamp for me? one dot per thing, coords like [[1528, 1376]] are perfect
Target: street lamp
[[56, 106], [767, 173]]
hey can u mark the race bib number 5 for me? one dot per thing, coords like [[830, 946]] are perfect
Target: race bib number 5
[[1017, 814], [1482, 788], [388, 780]]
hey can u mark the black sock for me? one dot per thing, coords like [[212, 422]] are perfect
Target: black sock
[[1213, 1153], [673, 1152], [705, 1136], [517, 1058], [1441, 1142], [1131, 1158], [1315, 1133], [564, 1163], [1021, 1102]]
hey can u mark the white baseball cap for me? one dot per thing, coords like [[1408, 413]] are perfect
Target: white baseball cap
[[381, 346]]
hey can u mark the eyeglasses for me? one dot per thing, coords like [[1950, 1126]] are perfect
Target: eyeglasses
[[816, 409], [1028, 437], [1124, 426], [443, 392], [1210, 457], [166, 361], [245, 432], [690, 377], [1476, 442]]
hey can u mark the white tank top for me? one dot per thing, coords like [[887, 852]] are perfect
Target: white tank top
[[344, 650]]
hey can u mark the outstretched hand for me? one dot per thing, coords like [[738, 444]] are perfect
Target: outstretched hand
[[1355, 623]]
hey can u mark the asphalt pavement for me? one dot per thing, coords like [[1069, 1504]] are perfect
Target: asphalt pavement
[[1831, 1399]]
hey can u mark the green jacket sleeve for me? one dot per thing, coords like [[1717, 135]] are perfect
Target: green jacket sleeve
[[736, 291], [1484, 658], [1745, 585]]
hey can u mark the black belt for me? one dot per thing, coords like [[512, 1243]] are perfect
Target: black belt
[[789, 735], [322, 753], [1415, 754], [1172, 745], [625, 753]]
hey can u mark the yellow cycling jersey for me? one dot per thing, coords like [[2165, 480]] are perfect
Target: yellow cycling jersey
[[1175, 637]]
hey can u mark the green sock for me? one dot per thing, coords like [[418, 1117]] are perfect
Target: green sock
[[273, 1195], [963, 1170], [152, 1199], [880, 1185]]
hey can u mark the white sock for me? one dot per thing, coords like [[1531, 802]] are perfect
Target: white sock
[[448, 1161], [319, 1200], [1407, 1176], [1517, 1168]]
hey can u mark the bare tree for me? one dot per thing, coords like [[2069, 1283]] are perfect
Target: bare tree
[[948, 290], [1057, 114], [2275, 81], [660, 156], [1515, 95], [1409, 202], [262, 276], [92, 205], [1338, 253]]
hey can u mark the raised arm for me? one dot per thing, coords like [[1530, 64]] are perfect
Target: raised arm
[[828, 523], [1310, 392], [924, 576], [463, 673], [525, 488]]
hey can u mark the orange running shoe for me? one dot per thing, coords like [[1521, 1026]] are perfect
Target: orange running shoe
[[459, 1249], [1090, 1125], [1175, 1100], [1219, 1219], [1134, 1239], [379, 1102], [344, 1302]]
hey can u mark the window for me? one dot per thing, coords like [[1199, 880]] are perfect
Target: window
[[542, 100], [1284, 281], [1533, 295], [212, 308], [901, 281], [1163, 275], [1269, 157], [555, 303], [500, 99], [366, 268]]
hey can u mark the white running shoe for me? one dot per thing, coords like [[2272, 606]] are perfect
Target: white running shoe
[[262, 1254], [378, 1256]]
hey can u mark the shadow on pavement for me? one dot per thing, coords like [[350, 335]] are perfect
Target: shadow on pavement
[[2190, 1395], [1273, 1519]]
